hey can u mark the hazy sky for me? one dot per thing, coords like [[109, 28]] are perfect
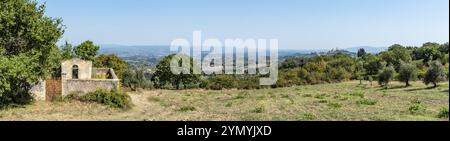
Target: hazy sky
[[299, 24]]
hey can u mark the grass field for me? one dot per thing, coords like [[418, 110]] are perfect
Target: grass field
[[341, 101]]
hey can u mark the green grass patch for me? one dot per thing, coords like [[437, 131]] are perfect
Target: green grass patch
[[367, 102], [334, 105], [309, 116], [186, 109], [258, 110], [242, 95]]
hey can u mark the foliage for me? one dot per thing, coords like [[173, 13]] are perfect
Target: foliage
[[111, 98], [67, 51], [164, 76], [135, 78], [443, 113], [386, 75], [434, 74], [416, 107], [361, 52], [87, 50], [407, 72], [28, 51], [395, 55], [111, 61]]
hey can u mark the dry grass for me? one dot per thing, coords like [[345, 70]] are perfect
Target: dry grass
[[342, 101]]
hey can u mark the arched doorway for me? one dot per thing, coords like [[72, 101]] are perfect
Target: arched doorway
[[75, 72]]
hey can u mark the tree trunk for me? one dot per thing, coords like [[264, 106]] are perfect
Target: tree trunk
[[407, 83], [435, 85]]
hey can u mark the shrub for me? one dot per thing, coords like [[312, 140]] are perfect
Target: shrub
[[416, 107], [443, 113], [309, 116], [111, 98]]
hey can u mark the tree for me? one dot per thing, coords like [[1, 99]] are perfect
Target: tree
[[430, 52], [111, 61], [87, 50], [361, 52], [434, 74], [386, 75], [67, 51], [164, 75], [27, 48], [135, 78], [407, 72], [444, 48], [395, 54], [360, 71], [372, 64], [370, 78]]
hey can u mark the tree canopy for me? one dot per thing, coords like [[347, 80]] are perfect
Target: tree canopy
[[87, 50], [27, 47]]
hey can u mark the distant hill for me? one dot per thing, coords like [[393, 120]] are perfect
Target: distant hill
[[161, 51], [368, 49], [129, 51]]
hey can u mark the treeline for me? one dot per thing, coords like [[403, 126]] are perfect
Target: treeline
[[428, 63], [400, 63]]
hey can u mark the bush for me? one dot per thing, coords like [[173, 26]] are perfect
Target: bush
[[111, 98], [443, 113], [416, 107]]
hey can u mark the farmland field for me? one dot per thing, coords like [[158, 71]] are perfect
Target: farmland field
[[340, 101]]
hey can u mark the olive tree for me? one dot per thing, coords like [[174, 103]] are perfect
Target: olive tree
[[434, 74]]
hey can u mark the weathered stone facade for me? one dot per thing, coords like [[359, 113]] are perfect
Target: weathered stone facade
[[77, 76], [38, 91]]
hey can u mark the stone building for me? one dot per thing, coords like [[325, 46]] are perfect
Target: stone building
[[77, 75]]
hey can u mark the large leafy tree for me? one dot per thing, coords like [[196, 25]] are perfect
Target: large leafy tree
[[28, 50], [87, 50], [396, 54], [111, 61], [164, 75], [372, 64], [430, 51]]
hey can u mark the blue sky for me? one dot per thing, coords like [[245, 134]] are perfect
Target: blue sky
[[298, 24]]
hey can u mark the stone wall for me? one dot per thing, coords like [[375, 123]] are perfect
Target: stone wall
[[85, 86], [38, 91]]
